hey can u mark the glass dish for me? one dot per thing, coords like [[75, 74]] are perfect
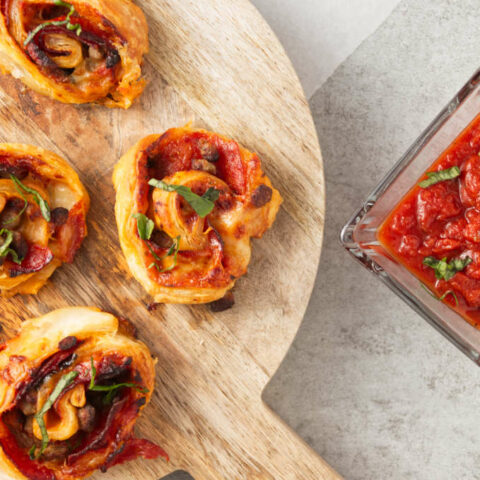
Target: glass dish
[[359, 236]]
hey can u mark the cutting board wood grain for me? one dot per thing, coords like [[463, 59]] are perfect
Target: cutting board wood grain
[[217, 64]]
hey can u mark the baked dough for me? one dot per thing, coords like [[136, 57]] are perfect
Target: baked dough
[[38, 245], [213, 252], [101, 62], [86, 430]]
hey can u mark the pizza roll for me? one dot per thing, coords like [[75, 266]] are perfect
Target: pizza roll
[[72, 386], [187, 204], [43, 206], [77, 52]]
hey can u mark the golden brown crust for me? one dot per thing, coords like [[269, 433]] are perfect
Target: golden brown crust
[[97, 336], [109, 74], [213, 251], [59, 185]]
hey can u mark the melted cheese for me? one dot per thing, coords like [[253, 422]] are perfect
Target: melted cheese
[[62, 421], [58, 184], [90, 82], [218, 246], [38, 340]]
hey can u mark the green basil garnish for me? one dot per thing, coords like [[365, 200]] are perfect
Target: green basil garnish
[[202, 205], [70, 26], [145, 226], [173, 250], [446, 270], [31, 452], [62, 384], [443, 297], [110, 389], [5, 247], [44, 208], [441, 176], [22, 211], [211, 194]]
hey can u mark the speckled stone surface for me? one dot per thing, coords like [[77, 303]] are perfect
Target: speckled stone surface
[[372, 387], [318, 35]]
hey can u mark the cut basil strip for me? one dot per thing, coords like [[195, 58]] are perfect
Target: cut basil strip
[[203, 205], [70, 26], [5, 247], [441, 176], [173, 250], [145, 226], [21, 212], [443, 297], [62, 384], [110, 389], [31, 452], [44, 208], [211, 194]]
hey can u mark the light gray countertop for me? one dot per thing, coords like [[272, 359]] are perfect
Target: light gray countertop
[[367, 383], [318, 35]]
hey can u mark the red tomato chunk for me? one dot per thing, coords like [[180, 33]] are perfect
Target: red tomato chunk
[[443, 221]]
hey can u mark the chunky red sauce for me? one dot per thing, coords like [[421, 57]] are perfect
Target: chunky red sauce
[[443, 221]]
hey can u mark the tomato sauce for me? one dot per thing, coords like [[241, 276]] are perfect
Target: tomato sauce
[[443, 221], [174, 152]]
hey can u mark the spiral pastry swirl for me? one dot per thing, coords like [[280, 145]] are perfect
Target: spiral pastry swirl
[[43, 207], [76, 52], [187, 204], [72, 385]]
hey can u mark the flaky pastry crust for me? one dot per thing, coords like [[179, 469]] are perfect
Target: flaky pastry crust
[[54, 346], [38, 244], [213, 252], [101, 62]]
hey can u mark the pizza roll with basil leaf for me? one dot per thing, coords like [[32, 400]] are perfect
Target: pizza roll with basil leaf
[[188, 203], [79, 51], [72, 386], [43, 208]]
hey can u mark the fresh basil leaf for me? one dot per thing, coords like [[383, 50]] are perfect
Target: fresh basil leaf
[[443, 297], [62, 384], [202, 205], [31, 452], [173, 250], [75, 26], [93, 374], [5, 247], [14, 255], [441, 176], [211, 194], [44, 208], [175, 247], [446, 270], [61, 3], [6, 241], [22, 211], [108, 399], [66, 22], [110, 388], [145, 226], [449, 292]]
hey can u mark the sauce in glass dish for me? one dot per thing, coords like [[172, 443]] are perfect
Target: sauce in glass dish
[[435, 230]]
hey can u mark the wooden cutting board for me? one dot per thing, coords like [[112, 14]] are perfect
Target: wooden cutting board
[[216, 63]]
